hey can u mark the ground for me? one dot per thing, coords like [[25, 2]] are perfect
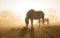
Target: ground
[[42, 32]]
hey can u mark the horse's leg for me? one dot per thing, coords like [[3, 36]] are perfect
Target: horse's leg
[[48, 21], [31, 23], [32, 29], [27, 22], [39, 23], [43, 21]]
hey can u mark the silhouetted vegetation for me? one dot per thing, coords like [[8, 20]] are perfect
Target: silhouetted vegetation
[[47, 32]]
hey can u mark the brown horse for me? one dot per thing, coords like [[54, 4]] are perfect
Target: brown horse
[[34, 15], [45, 20]]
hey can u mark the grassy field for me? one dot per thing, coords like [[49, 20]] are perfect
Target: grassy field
[[42, 32]]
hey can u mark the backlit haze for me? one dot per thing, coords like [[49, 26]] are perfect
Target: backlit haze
[[18, 9]]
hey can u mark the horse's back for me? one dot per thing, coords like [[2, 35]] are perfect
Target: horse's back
[[40, 14], [35, 14]]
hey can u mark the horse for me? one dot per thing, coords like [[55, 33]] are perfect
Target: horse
[[34, 15], [45, 20]]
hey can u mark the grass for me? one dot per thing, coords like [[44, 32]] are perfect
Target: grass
[[47, 32]]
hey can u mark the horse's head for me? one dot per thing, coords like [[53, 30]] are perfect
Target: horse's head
[[26, 21]]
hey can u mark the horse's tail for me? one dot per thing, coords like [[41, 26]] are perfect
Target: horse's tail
[[26, 21]]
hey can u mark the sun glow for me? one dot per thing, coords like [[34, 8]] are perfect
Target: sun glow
[[21, 7]]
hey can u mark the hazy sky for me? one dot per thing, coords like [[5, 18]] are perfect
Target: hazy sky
[[22, 6]]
